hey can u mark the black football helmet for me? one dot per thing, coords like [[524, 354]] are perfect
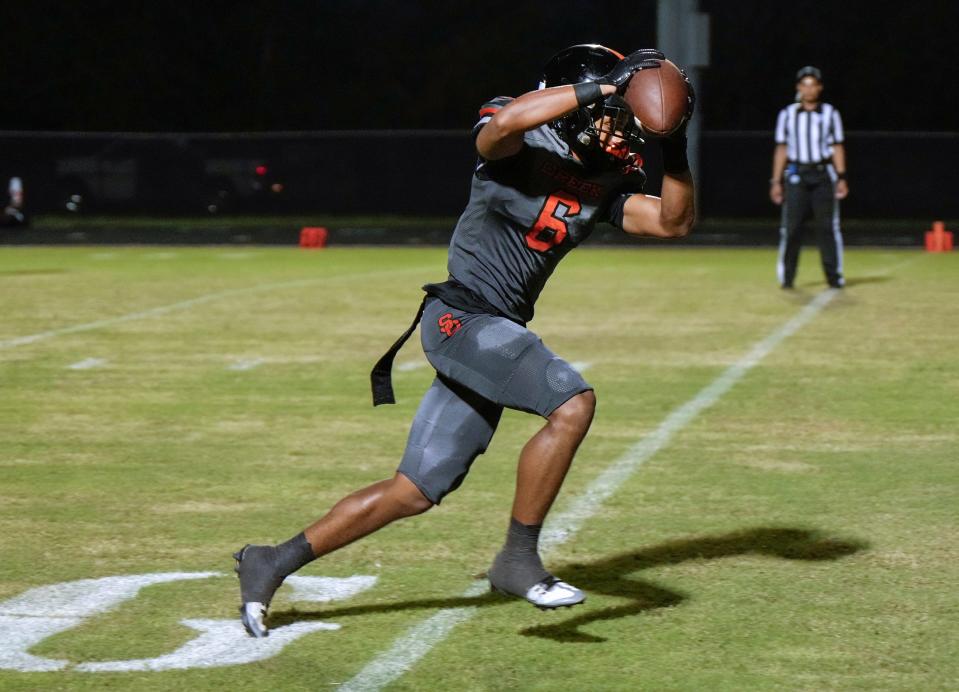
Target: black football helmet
[[589, 62]]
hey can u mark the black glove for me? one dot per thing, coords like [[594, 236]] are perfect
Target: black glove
[[643, 59], [692, 98], [674, 145]]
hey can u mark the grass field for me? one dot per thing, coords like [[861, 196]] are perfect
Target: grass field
[[161, 407]]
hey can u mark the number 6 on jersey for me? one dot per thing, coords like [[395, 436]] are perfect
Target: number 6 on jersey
[[550, 227]]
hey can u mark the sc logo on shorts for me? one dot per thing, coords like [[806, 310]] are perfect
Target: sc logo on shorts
[[448, 324]]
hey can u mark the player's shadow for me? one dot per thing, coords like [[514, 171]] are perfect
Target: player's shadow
[[611, 577]]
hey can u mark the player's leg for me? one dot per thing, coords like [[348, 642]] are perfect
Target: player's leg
[[365, 511], [543, 463], [262, 568], [506, 363], [550, 386], [448, 433], [828, 235], [547, 456], [795, 207], [453, 426]]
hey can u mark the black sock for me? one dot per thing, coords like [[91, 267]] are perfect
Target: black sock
[[518, 565], [264, 567], [293, 554], [522, 537]]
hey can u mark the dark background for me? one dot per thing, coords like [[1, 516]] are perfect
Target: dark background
[[358, 64], [363, 107]]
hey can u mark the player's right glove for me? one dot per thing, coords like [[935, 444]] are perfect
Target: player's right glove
[[642, 59], [674, 145], [691, 96]]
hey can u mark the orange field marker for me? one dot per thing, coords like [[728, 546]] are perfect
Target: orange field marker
[[313, 237], [938, 239]]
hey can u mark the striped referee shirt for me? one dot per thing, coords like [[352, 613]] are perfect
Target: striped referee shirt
[[809, 135]]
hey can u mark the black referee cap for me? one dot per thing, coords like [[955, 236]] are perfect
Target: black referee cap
[[809, 71]]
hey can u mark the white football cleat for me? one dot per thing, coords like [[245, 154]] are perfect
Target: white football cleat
[[554, 593], [258, 583], [550, 593], [252, 615]]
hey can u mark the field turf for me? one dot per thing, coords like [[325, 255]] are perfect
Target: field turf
[[160, 407]]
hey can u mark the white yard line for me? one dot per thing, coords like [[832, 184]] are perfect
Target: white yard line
[[246, 364], [421, 638], [183, 304], [411, 365], [88, 364]]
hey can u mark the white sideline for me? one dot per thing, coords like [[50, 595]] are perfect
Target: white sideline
[[418, 640], [209, 297]]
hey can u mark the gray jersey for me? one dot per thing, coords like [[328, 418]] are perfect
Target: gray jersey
[[526, 212]]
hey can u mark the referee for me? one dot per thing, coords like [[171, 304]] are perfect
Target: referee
[[809, 178]]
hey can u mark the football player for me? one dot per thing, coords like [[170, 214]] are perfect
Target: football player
[[552, 163]]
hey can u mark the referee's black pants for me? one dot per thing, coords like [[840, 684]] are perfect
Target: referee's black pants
[[810, 192]]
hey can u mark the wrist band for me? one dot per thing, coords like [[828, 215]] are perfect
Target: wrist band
[[674, 155], [840, 176], [587, 93]]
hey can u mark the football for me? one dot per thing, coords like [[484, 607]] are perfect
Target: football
[[658, 98]]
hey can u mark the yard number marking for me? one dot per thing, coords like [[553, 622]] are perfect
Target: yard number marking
[[28, 619]]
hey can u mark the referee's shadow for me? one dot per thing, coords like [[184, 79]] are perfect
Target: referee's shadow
[[613, 577], [819, 284], [860, 280]]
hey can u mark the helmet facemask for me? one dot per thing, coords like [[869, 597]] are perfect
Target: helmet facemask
[[605, 132]]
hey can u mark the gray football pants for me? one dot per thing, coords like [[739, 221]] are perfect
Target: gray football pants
[[484, 363]]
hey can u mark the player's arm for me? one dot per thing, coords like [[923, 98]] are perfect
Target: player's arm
[[502, 136], [776, 179], [839, 161], [669, 216], [673, 214], [779, 157]]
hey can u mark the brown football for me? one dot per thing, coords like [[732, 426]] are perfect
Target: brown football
[[658, 98]]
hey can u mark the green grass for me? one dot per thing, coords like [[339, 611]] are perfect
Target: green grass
[[800, 534]]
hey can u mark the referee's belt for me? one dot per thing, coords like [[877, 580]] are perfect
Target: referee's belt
[[803, 167]]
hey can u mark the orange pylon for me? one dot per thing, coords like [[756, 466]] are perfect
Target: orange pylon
[[313, 237], [938, 239]]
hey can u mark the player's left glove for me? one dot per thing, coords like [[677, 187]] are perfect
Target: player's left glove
[[642, 59]]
